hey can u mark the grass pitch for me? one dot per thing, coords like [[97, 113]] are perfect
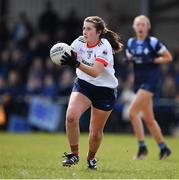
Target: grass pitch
[[39, 156]]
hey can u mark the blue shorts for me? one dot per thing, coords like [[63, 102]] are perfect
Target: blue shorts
[[101, 97], [146, 86], [150, 84], [147, 77]]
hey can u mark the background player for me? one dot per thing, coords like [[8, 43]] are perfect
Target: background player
[[146, 53]]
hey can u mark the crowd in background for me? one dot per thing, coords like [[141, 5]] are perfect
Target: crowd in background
[[26, 69]]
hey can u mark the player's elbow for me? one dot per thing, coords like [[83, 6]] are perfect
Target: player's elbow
[[95, 74], [170, 58]]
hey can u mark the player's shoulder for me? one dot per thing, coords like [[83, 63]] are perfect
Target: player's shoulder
[[81, 39], [104, 43], [78, 42], [153, 39], [130, 40]]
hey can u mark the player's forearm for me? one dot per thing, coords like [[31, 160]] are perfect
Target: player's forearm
[[165, 58], [90, 70]]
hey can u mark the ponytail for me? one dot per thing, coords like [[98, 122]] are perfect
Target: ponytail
[[113, 38]]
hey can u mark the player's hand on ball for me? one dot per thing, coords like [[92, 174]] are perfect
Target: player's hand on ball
[[70, 60]]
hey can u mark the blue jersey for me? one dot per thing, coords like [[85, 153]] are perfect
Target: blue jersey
[[143, 53]]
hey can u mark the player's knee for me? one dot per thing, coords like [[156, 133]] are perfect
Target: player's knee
[[132, 114], [71, 117], [149, 121], [96, 136]]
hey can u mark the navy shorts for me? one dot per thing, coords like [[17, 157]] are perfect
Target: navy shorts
[[150, 84], [147, 77], [146, 86], [101, 97]]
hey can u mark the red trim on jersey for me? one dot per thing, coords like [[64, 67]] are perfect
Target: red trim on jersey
[[103, 61], [91, 46]]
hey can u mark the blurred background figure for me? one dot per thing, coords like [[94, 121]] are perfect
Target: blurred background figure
[[49, 21], [127, 96], [146, 53]]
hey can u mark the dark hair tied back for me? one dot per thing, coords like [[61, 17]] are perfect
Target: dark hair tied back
[[111, 36]]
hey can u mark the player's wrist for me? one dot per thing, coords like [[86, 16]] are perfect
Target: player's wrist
[[158, 60], [77, 64]]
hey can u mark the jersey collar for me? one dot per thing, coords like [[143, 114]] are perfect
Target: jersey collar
[[92, 46]]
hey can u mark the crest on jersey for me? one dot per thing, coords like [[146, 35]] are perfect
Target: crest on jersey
[[146, 51], [105, 52]]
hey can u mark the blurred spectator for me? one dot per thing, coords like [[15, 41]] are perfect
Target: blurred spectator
[[127, 96], [169, 87], [110, 16], [65, 82], [4, 33], [14, 97], [51, 68], [49, 86], [49, 20], [17, 59], [37, 68], [3, 85], [4, 62], [14, 84], [33, 47], [72, 26], [33, 86], [22, 31], [44, 45]]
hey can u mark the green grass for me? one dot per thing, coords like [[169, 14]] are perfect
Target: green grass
[[39, 156]]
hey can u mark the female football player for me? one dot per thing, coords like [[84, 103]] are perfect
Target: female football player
[[146, 53], [94, 87]]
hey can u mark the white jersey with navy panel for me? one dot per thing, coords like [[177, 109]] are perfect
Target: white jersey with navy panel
[[101, 52], [144, 51]]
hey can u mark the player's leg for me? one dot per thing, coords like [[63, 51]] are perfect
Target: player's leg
[[134, 110], [97, 123], [152, 125], [78, 104]]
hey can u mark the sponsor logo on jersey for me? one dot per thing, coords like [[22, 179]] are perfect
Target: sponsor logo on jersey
[[87, 63]]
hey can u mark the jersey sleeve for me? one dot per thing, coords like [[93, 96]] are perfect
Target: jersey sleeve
[[158, 46], [103, 53], [74, 45], [128, 47]]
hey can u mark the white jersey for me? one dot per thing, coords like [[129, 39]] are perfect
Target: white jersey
[[101, 52]]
